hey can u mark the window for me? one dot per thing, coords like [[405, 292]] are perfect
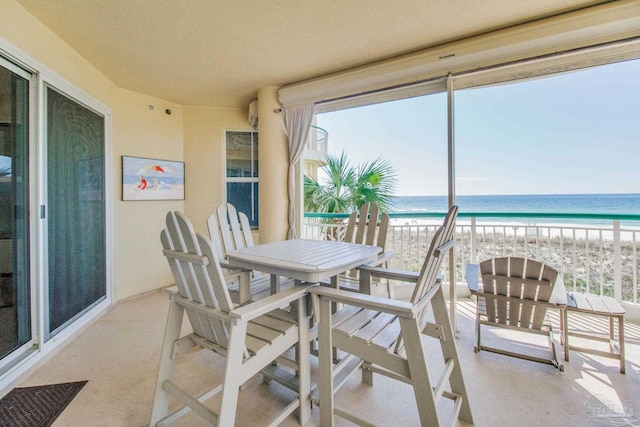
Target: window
[[242, 173], [409, 133], [569, 133], [15, 279]]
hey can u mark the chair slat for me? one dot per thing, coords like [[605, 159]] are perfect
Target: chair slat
[[234, 224], [357, 321], [544, 292], [246, 230], [389, 336], [344, 314], [362, 223], [273, 323], [255, 345], [515, 290], [375, 327], [261, 332], [283, 315], [501, 268], [372, 224], [351, 227], [222, 216], [383, 227], [488, 285]]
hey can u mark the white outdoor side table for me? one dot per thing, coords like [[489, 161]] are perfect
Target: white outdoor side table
[[596, 305]]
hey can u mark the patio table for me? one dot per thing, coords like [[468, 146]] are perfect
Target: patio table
[[304, 261]]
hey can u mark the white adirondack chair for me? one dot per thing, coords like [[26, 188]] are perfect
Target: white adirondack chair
[[230, 230], [515, 295], [386, 336], [250, 337], [367, 226]]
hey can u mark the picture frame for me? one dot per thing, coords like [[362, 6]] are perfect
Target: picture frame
[[152, 179]]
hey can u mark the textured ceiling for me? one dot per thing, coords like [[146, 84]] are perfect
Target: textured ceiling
[[220, 52]]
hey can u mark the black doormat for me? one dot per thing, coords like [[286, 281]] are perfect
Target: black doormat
[[37, 406]]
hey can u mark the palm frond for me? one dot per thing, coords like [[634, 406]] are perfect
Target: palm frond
[[376, 183], [346, 187]]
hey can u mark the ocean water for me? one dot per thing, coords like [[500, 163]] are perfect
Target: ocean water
[[538, 203], [563, 203]]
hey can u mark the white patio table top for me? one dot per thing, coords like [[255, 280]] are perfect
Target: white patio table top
[[304, 260]]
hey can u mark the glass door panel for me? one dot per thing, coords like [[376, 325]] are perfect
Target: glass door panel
[[76, 210], [15, 295]]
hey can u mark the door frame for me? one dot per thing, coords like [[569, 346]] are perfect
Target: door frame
[[14, 366]]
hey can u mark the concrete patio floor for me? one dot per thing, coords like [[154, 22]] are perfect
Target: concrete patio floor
[[118, 354]]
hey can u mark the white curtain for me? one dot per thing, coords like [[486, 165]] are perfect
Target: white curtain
[[297, 121]]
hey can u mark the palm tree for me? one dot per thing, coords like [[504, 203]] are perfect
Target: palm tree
[[346, 188]]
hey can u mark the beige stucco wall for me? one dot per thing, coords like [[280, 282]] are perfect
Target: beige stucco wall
[[138, 263], [204, 156]]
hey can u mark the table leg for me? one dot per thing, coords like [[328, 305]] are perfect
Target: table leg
[[303, 359], [611, 327], [275, 284], [621, 343], [334, 308], [365, 282], [244, 287], [565, 316]]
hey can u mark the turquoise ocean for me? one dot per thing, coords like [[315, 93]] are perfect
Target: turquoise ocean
[[538, 203]]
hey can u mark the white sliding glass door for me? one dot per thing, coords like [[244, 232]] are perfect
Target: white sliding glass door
[[75, 211]]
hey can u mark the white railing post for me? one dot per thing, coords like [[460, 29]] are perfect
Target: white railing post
[[474, 256], [617, 262]]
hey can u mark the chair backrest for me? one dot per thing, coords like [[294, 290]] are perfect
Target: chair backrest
[[199, 278], [511, 288], [229, 230], [368, 226], [442, 241]]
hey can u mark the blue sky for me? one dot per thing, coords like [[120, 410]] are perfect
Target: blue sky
[[569, 134]]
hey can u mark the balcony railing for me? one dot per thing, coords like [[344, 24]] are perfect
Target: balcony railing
[[316, 145], [596, 253], [318, 139]]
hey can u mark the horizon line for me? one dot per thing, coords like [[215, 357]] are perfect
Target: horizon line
[[524, 194]]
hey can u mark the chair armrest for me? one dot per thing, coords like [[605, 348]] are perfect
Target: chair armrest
[[258, 308], [224, 264], [386, 273], [235, 273], [386, 305], [382, 258], [199, 307]]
